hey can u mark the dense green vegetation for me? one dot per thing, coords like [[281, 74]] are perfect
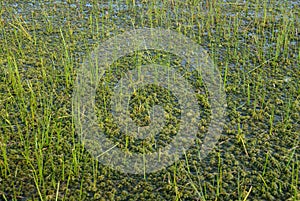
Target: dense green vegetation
[[254, 44]]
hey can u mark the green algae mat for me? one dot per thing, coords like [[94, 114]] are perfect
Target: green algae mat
[[149, 100]]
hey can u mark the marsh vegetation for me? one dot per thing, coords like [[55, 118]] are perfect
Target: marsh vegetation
[[254, 44]]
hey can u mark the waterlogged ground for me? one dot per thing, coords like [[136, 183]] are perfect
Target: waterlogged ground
[[254, 44]]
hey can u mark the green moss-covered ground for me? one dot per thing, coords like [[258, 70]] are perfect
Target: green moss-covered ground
[[254, 44]]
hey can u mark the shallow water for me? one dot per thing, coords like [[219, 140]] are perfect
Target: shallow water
[[259, 146]]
